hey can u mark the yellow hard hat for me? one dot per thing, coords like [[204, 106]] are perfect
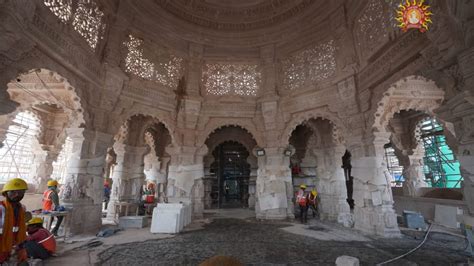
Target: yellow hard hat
[[314, 193], [15, 184], [35, 220], [303, 186], [52, 183]]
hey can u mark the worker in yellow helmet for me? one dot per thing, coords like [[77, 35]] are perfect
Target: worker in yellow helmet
[[302, 201], [40, 243], [51, 203], [313, 202], [12, 223]]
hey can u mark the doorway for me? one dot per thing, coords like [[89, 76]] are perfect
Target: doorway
[[231, 187]]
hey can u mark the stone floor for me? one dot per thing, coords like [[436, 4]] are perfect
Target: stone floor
[[236, 233]]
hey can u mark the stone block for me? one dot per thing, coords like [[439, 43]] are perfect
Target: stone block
[[165, 222], [347, 261], [447, 215], [133, 221], [170, 217]]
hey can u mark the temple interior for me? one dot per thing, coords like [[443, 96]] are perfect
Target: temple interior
[[222, 110]]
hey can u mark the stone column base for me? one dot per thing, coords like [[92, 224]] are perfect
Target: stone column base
[[274, 214], [335, 208], [83, 217], [378, 220]]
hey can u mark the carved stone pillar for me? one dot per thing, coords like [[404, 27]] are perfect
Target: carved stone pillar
[[152, 166], [83, 189], [207, 181], [162, 180], [466, 159], [274, 186], [185, 177], [42, 167], [110, 161], [413, 174], [330, 183], [252, 192], [373, 212], [128, 176]]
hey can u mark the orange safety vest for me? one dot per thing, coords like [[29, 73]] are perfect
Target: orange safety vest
[[301, 198], [47, 201], [48, 243], [312, 199], [13, 231]]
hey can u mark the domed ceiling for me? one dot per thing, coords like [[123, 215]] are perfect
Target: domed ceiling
[[235, 14], [233, 24]]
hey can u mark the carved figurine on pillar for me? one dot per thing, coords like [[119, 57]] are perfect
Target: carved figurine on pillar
[[346, 165]]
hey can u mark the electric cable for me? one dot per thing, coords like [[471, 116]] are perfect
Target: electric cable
[[37, 96], [411, 251]]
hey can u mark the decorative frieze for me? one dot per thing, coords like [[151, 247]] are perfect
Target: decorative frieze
[[388, 63], [75, 56]]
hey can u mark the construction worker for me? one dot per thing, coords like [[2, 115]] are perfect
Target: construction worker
[[40, 243], [313, 202], [106, 194], [302, 200], [13, 224], [51, 203]]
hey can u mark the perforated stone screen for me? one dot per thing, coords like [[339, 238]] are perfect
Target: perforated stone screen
[[231, 79], [166, 69], [310, 65], [61, 8], [88, 21], [87, 18], [372, 26]]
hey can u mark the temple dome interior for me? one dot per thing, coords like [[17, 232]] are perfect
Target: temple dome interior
[[225, 104]]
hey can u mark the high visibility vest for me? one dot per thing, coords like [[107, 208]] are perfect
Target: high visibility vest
[[48, 243], [15, 231], [312, 199], [15, 228], [47, 201], [301, 198]]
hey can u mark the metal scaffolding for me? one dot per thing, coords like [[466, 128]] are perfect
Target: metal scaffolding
[[393, 165], [440, 166]]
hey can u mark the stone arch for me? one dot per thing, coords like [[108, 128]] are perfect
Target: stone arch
[[35, 60], [338, 126], [74, 112], [217, 123], [123, 128], [410, 93], [246, 142], [28, 89]]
